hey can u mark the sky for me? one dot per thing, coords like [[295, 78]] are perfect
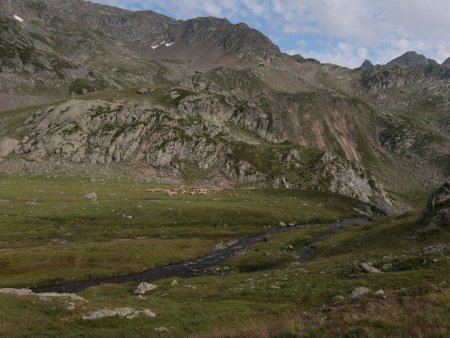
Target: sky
[[343, 32]]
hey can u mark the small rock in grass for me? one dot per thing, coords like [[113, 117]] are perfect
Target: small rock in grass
[[92, 196], [359, 292], [386, 267], [380, 294], [161, 329], [282, 224], [144, 287], [275, 287], [221, 246], [339, 299], [174, 282]]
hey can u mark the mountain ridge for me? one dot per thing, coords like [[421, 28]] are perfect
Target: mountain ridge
[[271, 113]]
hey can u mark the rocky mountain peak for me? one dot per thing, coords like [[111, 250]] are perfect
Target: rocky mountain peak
[[412, 59], [367, 64], [446, 62]]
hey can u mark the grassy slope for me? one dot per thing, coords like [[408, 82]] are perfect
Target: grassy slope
[[220, 305]]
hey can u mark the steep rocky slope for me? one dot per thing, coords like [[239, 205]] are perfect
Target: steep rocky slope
[[213, 137], [414, 110]]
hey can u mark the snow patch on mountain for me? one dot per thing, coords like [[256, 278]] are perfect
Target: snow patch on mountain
[[18, 18]]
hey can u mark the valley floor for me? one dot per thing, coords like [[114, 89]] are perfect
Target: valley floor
[[295, 283]]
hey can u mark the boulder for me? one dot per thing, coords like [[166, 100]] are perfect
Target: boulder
[[8, 146], [144, 287], [386, 267], [142, 91], [128, 313], [365, 267], [359, 292]]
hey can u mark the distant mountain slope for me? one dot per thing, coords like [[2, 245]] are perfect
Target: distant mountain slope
[[90, 47], [155, 34]]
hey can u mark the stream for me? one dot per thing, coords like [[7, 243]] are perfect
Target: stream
[[203, 266]]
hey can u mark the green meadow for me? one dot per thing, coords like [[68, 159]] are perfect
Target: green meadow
[[51, 234]]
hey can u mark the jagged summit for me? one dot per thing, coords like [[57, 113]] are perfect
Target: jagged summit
[[412, 59], [367, 64], [446, 62]]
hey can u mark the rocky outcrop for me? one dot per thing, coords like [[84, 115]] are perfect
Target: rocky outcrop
[[351, 179], [437, 212], [202, 133]]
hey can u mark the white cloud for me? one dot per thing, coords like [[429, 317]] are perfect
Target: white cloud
[[353, 29]]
